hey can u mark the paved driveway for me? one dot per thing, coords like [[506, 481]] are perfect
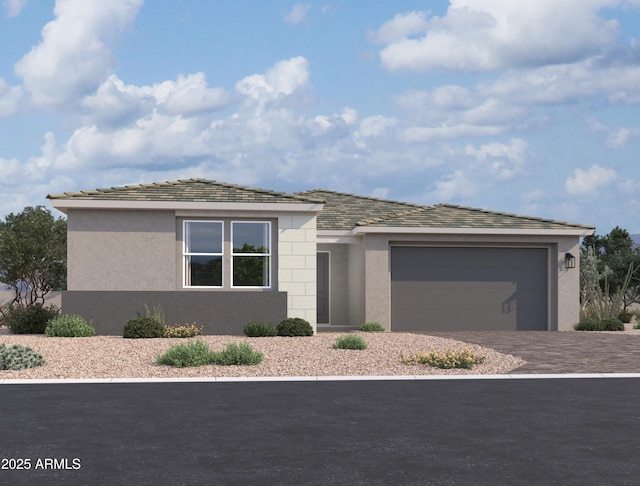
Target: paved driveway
[[560, 352]]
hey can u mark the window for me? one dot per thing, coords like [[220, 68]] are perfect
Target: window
[[251, 254], [203, 253]]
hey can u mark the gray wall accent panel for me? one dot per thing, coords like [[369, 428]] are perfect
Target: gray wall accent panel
[[217, 312], [469, 288]]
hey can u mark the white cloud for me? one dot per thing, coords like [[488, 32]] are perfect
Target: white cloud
[[281, 80], [400, 27], [455, 185], [74, 58], [500, 160], [298, 14], [588, 182], [10, 99], [480, 35], [14, 7]]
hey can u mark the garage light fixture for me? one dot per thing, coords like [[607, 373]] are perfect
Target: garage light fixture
[[569, 261]]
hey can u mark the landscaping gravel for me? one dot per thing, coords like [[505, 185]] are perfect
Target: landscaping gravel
[[116, 357]]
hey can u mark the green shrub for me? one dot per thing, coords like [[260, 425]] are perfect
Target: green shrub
[[19, 357], [32, 319], [143, 327], [236, 354], [350, 341], [69, 326], [371, 327], [259, 329], [448, 360], [599, 325], [625, 316], [193, 353], [295, 326], [181, 331]]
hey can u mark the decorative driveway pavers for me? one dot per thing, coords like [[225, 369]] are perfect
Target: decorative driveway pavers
[[560, 352]]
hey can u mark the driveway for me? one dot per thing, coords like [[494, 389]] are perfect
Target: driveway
[[560, 352]]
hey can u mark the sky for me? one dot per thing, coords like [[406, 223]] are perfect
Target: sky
[[525, 107]]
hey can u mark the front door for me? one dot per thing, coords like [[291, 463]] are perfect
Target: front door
[[323, 288]]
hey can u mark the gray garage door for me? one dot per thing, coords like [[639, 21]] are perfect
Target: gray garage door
[[468, 288]]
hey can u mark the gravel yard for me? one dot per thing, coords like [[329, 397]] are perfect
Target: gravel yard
[[115, 357]]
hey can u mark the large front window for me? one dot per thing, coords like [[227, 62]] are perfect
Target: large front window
[[251, 253], [203, 253], [243, 260]]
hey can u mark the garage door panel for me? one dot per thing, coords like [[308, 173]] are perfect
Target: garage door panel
[[468, 288]]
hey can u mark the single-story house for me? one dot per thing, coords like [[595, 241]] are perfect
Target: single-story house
[[221, 255]]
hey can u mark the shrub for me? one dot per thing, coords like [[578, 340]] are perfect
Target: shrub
[[599, 325], [350, 341], [194, 353], [32, 319], [451, 359], [19, 357], [259, 329], [625, 316], [69, 326], [236, 354], [371, 327], [181, 331], [143, 327], [295, 326]]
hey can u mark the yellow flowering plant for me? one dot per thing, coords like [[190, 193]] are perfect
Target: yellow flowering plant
[[182, 331], [450, 359]]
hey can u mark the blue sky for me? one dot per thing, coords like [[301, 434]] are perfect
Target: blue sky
[[519, 106]]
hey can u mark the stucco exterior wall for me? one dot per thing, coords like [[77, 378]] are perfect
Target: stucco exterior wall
[[297, 261], [121, 250]]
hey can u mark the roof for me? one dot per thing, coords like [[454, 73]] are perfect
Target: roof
[[189, 190], [347, 211]]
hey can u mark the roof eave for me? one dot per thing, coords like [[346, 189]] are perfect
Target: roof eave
[[580, 232]]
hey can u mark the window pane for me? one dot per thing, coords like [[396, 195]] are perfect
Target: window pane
[[203, 237], [204, 271], [251, 237], [251, 271]]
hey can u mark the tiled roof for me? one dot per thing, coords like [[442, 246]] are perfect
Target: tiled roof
[[192, 190], [346, 211]]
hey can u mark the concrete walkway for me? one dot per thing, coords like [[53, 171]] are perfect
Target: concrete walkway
[[560, 352]]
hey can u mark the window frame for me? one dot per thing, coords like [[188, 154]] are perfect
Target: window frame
[[186, 255], [267, 255]]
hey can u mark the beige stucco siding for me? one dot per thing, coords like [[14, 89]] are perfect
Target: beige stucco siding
[[121, 250]]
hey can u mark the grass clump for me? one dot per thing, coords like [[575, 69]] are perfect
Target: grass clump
[[371, 327], [464, 359], [181, 331], [198, 353], [350, 341], [295, 326], [19, 357], [599, 325], [259, 329], [69, 326]]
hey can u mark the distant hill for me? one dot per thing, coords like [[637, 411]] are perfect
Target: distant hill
[[636, 240]]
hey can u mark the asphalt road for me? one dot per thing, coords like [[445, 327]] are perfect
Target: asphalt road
[[440, 432]]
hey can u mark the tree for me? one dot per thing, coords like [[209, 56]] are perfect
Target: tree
[[616, 255], [33, 254]]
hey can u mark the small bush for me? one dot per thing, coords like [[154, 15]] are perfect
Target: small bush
[[350, 341], [19, 357], [236, 355], [625, 317], [181, 331], [143, 327], [32, 319], [599, 325], [69, 326], [371, 327], [295, 326], [259, 329], [451, 359], [194, 353]]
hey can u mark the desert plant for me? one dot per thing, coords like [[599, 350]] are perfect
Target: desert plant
[[450, 359], [259, 329], [69, 326], [295, 326], [19, 357], [156, 313], [236, 354], [625, 316], [143, 327], [181, 331], [32, 319], [193, 353], [371, 327], [599, 325], [350, 341]]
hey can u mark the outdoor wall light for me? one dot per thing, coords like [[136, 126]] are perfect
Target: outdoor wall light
[[569, 261]]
